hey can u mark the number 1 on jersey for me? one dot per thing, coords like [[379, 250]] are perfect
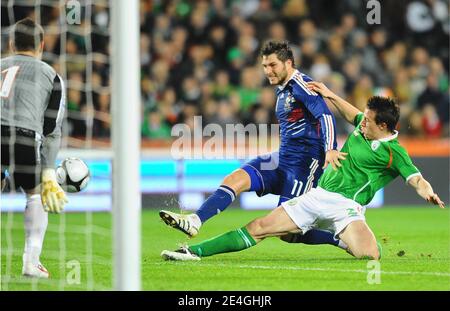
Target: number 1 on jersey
[[8, 77]]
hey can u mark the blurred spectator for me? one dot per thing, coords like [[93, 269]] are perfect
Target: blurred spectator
[[162, 28], [222, 87], [420, 59], [197, 28], [402, 87], [188, 112], [160, 75], [220, 10], [224, 115], [308, 30], [431, 95], [437, 69], [362, 92], [246, 8], [336, 51], [258, 115], [320, 69], [179, 37], [308, 50], [395, 56], [295, 9], [267, 101], [219, 39], [145, 50], [352, 72], [277, 31], [191, 91], [360, 46], [168, 106], [236, 63], [336, 82], [154, 126], [412, 124], [209, 109], [431, 124], [379, 39], [102, 120], [248, 89], [76, 122]]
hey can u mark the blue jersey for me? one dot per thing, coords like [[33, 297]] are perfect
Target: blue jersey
[[306, 124], [307, 131]]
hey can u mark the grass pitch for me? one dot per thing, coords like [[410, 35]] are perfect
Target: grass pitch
[[416, 255]]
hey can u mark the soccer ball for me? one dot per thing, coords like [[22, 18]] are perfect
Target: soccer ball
[[73, 175]]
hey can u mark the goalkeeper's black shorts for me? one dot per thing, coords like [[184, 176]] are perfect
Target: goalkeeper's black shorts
[[20, 157]]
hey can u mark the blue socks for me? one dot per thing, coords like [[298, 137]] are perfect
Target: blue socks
[[216, 203], [316, 236]]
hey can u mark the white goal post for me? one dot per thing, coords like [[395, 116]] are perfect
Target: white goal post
[[125, 113]]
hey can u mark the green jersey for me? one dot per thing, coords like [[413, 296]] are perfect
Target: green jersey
[[370, 165]]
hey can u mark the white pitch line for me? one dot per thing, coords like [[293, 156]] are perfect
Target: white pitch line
[[320, 269]]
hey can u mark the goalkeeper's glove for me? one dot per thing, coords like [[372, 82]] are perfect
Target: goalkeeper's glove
[[52, 195]]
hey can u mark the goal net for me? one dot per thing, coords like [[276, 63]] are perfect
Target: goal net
[[77, 249]]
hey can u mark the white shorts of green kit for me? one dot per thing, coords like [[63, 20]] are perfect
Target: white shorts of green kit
[[322, 209]]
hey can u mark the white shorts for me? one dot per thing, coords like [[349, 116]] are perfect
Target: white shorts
[[322, 209]]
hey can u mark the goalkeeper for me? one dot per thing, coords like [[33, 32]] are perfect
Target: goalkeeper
[[374, 159], [33, 104]]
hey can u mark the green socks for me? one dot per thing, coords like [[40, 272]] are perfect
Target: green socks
[[232, 241]]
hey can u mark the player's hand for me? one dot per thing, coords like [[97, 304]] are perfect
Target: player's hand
[[434, 199], [333, 157], [53, 196], [320, 88]]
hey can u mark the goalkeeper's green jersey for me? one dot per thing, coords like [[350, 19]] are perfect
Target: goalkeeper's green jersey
[[370, 165]]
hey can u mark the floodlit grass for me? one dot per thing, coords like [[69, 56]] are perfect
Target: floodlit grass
[[416, 255]]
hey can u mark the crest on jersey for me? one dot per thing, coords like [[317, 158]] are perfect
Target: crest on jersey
[[375, 144], [292, 202], [287, 104]]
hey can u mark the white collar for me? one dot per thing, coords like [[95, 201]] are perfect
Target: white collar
[[389, 138], [281, 87]]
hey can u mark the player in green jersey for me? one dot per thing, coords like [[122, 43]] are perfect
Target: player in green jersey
[[374, 158]]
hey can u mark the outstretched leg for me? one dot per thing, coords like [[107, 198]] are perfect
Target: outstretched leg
[[314, 237], [360, 240], [276, 223], [233, 184]]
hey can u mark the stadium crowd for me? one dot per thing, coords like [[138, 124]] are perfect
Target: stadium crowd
[[201, 58]]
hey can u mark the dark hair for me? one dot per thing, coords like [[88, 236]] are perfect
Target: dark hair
[[386, 109], [279, 48], [27, 35]]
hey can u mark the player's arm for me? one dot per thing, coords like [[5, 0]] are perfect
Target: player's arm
[[319, 109], [52, 195], [402, 163], [424, 189], [347, 110]]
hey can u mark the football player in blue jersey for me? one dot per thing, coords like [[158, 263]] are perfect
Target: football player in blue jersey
[[307, 146]]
